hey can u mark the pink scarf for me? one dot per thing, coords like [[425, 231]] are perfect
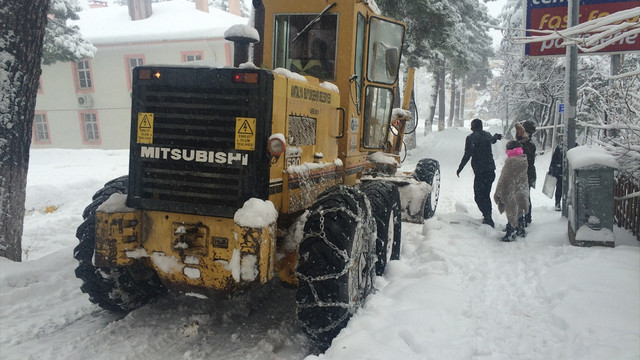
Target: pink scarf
[[514, 152]]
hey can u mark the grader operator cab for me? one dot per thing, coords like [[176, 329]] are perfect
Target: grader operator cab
[[229, 165]]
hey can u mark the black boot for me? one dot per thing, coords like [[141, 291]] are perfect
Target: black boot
[[510, 235], [520, 228], [486, 219]]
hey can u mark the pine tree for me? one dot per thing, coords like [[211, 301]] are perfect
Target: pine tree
[[63, 42]]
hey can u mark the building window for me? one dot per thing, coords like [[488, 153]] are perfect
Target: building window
[[83, 75], [89, 127], [192, 56], [41, 129], [132, 61]]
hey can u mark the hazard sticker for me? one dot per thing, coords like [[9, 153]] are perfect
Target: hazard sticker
[[145, 128], [245, 133]]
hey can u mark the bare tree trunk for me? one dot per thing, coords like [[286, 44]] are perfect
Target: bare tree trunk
[[546, 120], [461, 116], [456, 115], [22, 26], [452, 101], [428, 121], [441, 94]]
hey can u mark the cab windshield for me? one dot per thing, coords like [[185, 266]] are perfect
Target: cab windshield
[[310, 52]]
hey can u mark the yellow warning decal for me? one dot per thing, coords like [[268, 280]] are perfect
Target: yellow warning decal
[[145, 128], [245, 133]]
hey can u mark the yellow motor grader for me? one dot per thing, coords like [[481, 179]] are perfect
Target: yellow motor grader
[[283, 166]]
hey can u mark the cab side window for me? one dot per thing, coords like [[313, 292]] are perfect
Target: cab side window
[[385, 45]]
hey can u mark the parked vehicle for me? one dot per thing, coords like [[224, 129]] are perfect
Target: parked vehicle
[[284, 167]]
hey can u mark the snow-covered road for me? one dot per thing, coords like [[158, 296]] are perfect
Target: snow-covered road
[[457, 292]]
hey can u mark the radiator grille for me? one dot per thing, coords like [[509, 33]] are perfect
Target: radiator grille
[[192, 165]]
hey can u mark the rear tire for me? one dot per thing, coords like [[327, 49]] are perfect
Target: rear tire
[[336, 262], [387, 212], [118, 289], [428, 170]]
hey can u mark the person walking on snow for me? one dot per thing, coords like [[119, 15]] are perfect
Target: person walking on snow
[[512, 191], [555, 170], [524, 133], [477, 147]]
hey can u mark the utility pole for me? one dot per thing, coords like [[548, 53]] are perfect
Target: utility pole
[[571, 101]]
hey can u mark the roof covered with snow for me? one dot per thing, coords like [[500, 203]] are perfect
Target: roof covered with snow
[[171, 20]]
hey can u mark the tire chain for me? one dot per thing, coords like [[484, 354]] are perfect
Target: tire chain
[[365, 228]]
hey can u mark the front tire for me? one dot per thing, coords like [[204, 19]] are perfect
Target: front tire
[[428, 170], [387, 212], [118, 289], [336, 262]]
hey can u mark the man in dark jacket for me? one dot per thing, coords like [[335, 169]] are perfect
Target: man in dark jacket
[[555, 170], [477, 147]]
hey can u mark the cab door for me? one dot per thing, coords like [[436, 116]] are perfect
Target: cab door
[[384, 38]]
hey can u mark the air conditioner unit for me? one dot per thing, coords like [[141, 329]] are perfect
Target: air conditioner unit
[[85, 101]]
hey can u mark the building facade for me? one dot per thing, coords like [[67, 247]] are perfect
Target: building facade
[[86, 104]]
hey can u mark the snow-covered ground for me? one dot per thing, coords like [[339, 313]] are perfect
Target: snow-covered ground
[[457, 293]]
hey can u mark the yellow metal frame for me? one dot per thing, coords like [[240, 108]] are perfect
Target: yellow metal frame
[[189, 252], [116, 234]]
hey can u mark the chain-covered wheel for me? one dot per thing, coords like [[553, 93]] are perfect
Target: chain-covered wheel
[[336, 262], [387, 212], [428, 170], [119, 289]]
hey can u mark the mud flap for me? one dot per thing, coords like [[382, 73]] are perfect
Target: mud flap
[[414, 199]]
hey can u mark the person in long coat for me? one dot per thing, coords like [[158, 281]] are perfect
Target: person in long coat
[[512, 191], [477, 147]]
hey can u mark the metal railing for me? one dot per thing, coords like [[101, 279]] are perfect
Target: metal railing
[[627, 204]]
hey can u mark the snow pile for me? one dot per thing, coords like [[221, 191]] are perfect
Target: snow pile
[[248, 65], [581, 157], [329, 86], [380, 157], [305, 168], [115, 203], [256, 213], [290, 74], [242, 31]]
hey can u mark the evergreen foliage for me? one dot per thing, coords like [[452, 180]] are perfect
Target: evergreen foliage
[[447, 37], [61, 41]]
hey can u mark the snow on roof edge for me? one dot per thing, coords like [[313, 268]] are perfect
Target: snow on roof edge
[[171, 20]]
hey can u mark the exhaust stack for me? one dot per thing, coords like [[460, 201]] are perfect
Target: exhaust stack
[[241, 36]]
